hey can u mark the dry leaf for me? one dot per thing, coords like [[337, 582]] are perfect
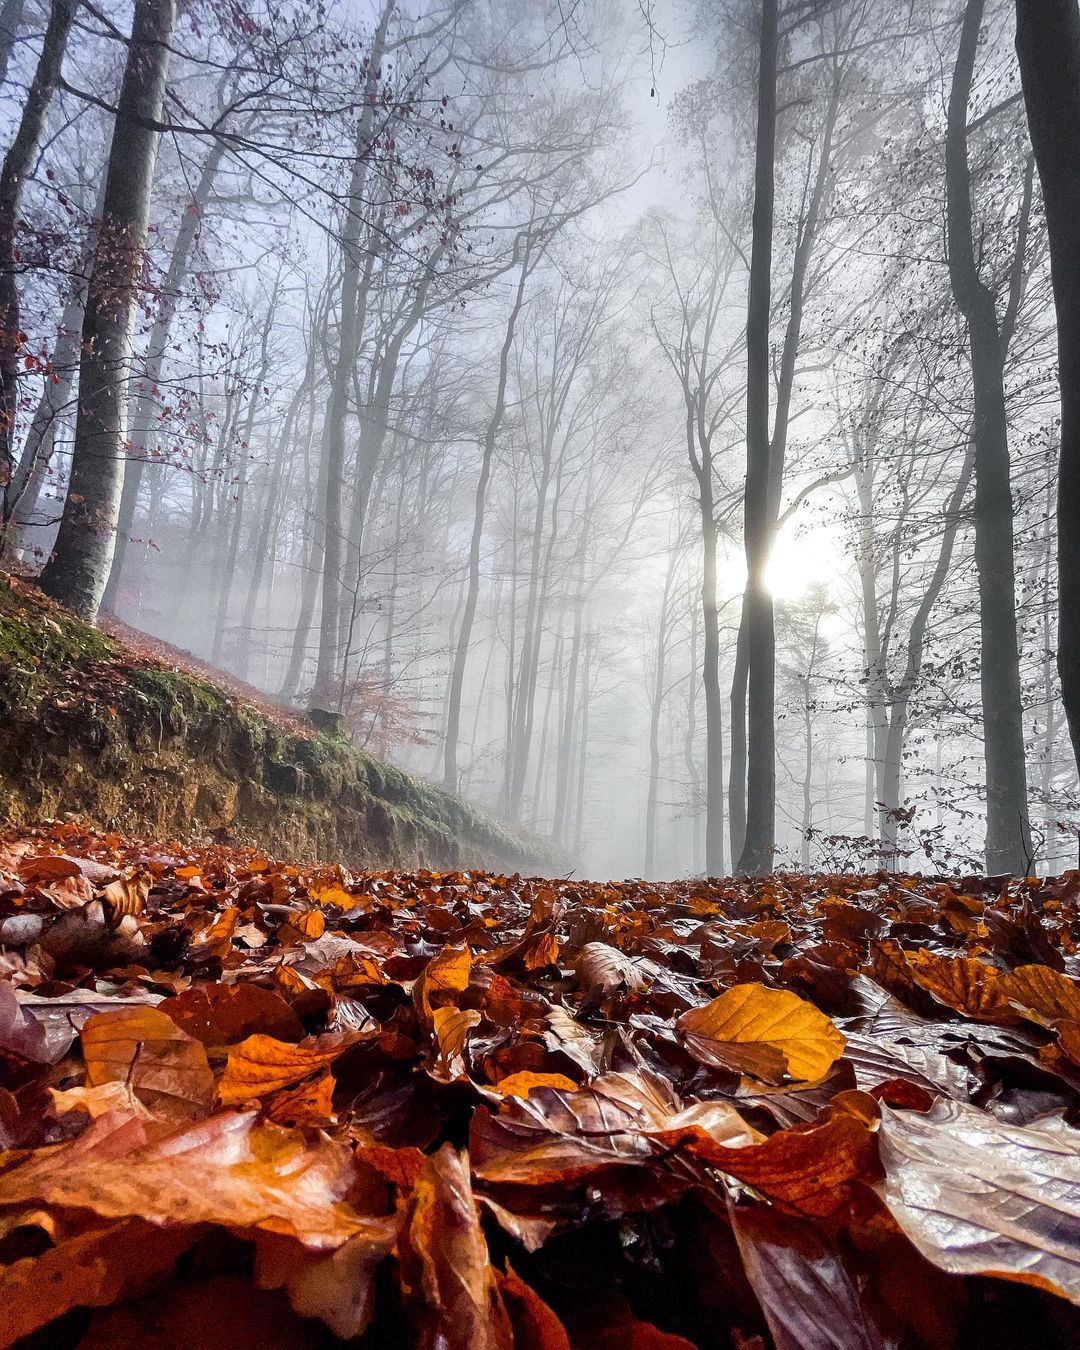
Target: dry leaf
[[766, 1033], [143, 1047]]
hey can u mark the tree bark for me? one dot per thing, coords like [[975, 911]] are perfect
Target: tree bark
[[1008, 841], [327, 691], [17, 164], [154, 358], [1048, 47], [756, 855], [79, 568]]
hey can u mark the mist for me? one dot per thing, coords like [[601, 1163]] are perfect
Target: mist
[[640, 423]]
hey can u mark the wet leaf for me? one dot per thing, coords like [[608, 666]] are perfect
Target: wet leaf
[[978, 1196]]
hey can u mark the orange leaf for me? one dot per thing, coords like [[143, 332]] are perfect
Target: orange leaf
[[445, 1271], [447, 973], [142, 1046], [970, 987], [230, 1169], [522, 1083], [302, 927], [1043, 992], [262, 1064], [309, 1104], [766, 1033]]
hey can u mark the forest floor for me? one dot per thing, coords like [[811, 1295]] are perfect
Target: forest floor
[[262, 1104]]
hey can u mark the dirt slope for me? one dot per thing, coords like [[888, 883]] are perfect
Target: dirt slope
[[94, 730]]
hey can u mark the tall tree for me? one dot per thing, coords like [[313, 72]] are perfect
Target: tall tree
[[79, 568], [759, 838], [1048, 47], [1008, 840], [17, 165]]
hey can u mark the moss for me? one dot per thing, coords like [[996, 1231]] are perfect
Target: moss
[[129, 744]]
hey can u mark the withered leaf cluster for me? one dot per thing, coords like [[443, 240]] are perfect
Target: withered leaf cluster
[[250, 1103]]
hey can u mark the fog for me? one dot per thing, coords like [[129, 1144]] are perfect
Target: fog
[[443, 373]]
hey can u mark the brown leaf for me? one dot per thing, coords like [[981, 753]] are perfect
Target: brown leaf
[[603, 970], [536, 1327], [230, 1169], [1044, 993], [89, 1270], [261, 1064], [978, 1196], [452, 1027], [766, 1033], [970, 987], [222, 1014], [143, 1047], [446, 1274], [808, 1169], [337, 1287], [309, 1103]]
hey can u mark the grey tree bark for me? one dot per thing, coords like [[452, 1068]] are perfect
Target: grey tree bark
[[79, 568], [1008, 839]]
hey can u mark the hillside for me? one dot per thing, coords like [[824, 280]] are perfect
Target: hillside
[[94, 730]]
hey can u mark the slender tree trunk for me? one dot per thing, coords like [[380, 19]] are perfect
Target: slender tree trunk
[[40, 438], [464, 637], [11, 13], [737, 767], [79, 568], [583, 747], [17, 164], [756, 856], [569, 721], [1008, 840], [1048, 46], [327, 690], [309, 584], [154, 359], [715, 864], [656, 710], [689, 749]]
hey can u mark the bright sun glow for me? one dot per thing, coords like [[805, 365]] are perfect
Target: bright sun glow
[[802, 558]]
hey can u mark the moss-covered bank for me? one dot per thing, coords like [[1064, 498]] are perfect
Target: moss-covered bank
[[90, 730]]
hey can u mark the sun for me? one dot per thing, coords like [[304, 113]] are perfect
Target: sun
[[801, 559]]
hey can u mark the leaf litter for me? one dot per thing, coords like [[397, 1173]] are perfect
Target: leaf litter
[[302, 1105]]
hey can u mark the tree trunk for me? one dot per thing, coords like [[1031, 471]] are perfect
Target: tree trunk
[[154, 358], [79, 567], [737, 767], [17, 164], [11, 13], [1008, 841], [756, 856], [464, 637], [656, 709], [715, 865], [1048, 46], [327, 684]]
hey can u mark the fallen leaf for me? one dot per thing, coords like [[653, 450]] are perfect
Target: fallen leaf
[[261, 1064], [766, 1033], [143, 1047], [978, 1196], [446, 1274]]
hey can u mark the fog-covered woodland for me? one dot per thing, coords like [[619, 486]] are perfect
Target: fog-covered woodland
[[641, 419]]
